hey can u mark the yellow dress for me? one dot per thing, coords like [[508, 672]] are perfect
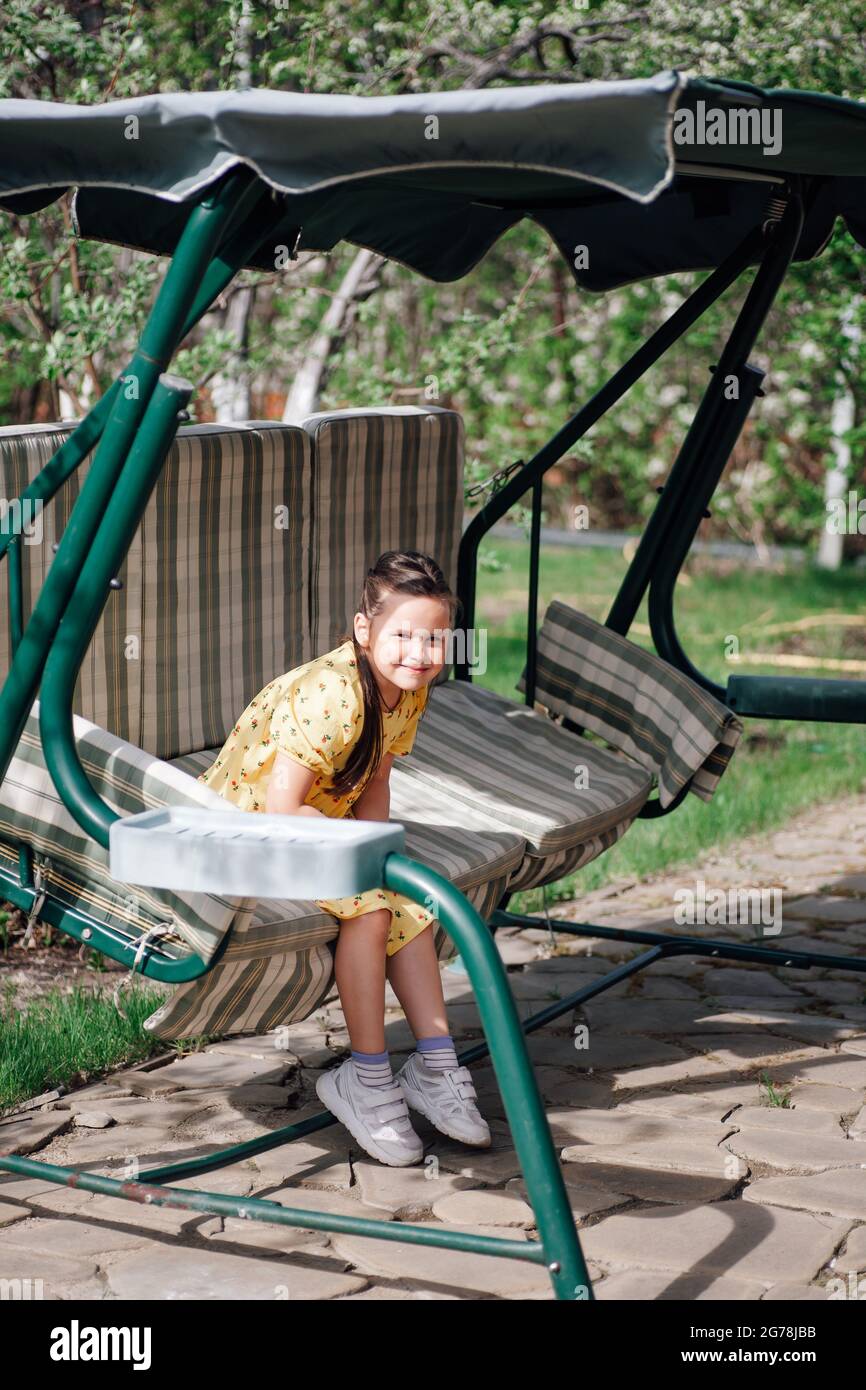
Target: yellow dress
[[315, 714]]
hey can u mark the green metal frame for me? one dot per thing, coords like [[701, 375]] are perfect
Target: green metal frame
[[132, 430], [133, 427]]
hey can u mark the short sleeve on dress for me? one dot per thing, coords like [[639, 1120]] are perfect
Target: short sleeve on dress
[[404, 740], [312, 721]]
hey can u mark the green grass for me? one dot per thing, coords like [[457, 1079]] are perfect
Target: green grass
[[69, 1038], [779, 767]]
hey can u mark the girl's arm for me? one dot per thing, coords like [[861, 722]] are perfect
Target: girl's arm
[[289, 783], [374, 803]]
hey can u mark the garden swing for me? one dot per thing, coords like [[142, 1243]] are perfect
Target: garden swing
[[104, 830]]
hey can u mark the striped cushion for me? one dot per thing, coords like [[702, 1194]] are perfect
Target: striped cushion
[[487, 753], [277, 966], [215, 594], [78, 874], [384, 479], [637, 702]]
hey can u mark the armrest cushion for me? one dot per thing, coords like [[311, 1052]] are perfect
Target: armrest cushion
[[129, 780], [641, 705]]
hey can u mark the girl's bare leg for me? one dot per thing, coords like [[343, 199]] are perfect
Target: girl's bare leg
[[359, 968], [413, 973]]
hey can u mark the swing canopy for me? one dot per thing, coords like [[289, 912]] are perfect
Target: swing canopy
[[651, 175]]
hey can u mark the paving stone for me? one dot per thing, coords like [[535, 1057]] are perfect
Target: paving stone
[[741, 1051], [659, 1286], [837, 991], [70, 1238], [857, 1127], [138, 1110], [492, 1166], [585, 1197], [454, 1271], [218, 1071], [827, 909], [210, 1274], [856, 1045], [708, 1103], [734, 1239], [803, 1027], [853, 1257], [795, 1293], [577, 1090], [680, 1155], [786, 1120], [794, 1152], [404, 1290], [729, 979], [56, 1273], [40, 1196], [31, 1132], [262, 1048], [231, 1233], [631, 1127], [604, 1052], [839, 1192], [137, 1217], [410, 1192], [840, 1100], [691, 1070], [666, 987], [663, 1016], [484, 1209], [9, 1213], [320, 1161], [833, 1071]]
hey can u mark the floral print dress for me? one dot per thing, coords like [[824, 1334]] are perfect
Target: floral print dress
[[315, 714]]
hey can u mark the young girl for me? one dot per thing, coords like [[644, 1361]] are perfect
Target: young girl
[[320, 740]]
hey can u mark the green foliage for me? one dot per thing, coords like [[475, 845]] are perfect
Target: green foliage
[[514, 346]]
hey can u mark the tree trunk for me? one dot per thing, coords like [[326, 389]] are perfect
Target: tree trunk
[[230, 389], [831, 546], [359, 281]]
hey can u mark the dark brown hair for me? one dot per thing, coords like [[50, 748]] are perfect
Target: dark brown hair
[[395, 572]]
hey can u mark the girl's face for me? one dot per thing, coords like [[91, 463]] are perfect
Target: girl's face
[[407, 642]]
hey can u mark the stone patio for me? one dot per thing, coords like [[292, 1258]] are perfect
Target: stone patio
[[686, 1182]]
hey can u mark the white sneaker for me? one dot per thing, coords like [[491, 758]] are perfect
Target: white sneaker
[[446, 1098], [374, 1115]]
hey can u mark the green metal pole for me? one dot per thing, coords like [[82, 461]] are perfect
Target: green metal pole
[[170, 312], [516, 1079], [122, 517]]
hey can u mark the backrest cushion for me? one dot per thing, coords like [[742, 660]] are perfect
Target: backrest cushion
[[389, 478], [215, 597], [635, 701]]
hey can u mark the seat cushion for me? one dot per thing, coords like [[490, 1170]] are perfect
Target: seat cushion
[[277, 966], [552, 787]]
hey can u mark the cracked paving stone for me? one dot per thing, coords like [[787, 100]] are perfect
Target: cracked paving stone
[[409, 1193], [70, 1238], [788, 1120], [211, 1274], [734, 1239], [54, 1274], [794, 1151], [681, 1154], [484, 1209], [586, 1198], [853, 1257], [837, 1192]]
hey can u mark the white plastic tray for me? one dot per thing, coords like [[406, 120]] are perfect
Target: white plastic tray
[[251, 854]]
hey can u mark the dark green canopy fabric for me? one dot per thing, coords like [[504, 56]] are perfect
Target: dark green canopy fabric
[[650, 175]]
